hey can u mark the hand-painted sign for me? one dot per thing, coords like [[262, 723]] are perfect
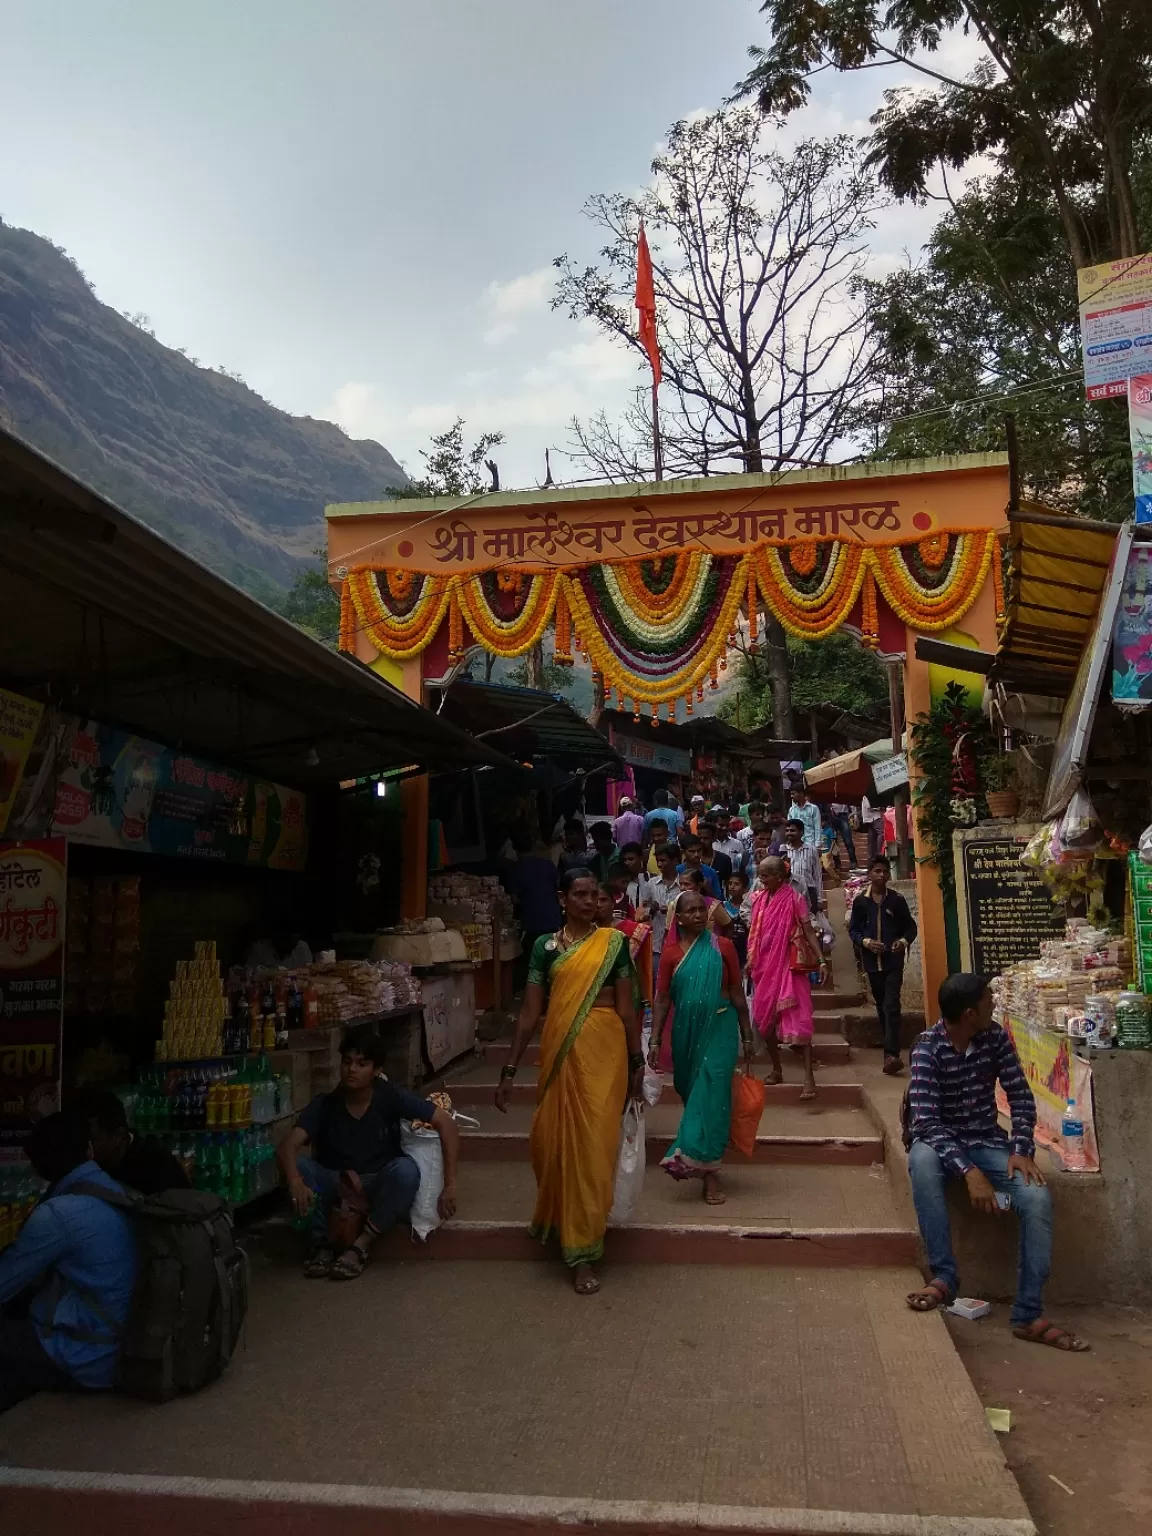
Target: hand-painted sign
[[33, 894], [19, 718]]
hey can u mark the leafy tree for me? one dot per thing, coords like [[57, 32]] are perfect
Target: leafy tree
[[453, 469], [834, 671], [757, 258], [1061, 98], [311, 603], [988, 324]]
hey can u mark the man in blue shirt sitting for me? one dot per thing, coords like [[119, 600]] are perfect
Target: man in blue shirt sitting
[[66, 1282], [953, 1131]]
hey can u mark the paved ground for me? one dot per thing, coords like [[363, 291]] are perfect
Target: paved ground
[[1081, 1425], [801, 1389]]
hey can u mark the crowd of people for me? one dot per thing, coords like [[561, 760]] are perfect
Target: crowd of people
[[710, 924]]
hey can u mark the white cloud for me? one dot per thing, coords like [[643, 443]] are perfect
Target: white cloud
[[508, 303]]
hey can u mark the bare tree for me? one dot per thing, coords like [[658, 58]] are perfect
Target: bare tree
[[758, 256]]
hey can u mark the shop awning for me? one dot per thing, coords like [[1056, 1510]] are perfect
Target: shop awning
[[848, 776], [105, 617], [1053, 582], [526, 723]]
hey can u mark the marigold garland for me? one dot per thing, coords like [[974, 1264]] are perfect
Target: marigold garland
[[998, 578], [658, 629]]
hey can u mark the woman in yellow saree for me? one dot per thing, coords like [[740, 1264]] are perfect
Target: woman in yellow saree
[[590, 1058]]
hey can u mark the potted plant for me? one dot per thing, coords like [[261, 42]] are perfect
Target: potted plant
[[998, 774]]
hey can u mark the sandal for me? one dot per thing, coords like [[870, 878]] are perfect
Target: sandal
[[807, 1093], [713, 1194], [318, 1265], [775, 1077], [935, 1294], [584, 1280], [1044, 1332], [350, 1264]]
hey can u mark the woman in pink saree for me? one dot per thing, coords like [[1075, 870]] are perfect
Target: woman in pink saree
[[781, 934]]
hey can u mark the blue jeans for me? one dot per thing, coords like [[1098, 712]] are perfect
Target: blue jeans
[[390, 1193], [842, 826], [1031, 1202]]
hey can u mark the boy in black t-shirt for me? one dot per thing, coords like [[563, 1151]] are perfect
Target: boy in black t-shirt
[[356, 1130]]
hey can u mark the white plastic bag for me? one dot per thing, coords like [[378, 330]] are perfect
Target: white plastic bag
[[653, 1086], [423, 1147], [1145, 846], [824, 932], [629, 1165]]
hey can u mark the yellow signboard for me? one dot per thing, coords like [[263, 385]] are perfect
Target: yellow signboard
[[19, 718]]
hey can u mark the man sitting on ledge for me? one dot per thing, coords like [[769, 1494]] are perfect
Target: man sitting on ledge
[[354, 1134], [955, 1133]]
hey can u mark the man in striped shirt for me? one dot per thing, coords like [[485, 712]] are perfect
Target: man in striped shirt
[[955, 1133]]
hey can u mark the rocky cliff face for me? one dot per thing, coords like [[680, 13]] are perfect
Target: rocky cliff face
[[193, 452]]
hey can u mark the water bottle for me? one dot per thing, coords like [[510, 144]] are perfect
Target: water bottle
[[1072, 1151]]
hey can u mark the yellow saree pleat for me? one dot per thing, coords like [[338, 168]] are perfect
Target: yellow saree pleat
[[583, 1082]]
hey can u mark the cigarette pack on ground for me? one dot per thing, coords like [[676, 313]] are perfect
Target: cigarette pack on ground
[[970, 1307]]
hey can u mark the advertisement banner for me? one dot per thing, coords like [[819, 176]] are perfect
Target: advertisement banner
[[19, 718], [33, 895], [1132, 634], [1055, 1074], [115, 790], [1115, 323], [650, 754], [1140, 433]]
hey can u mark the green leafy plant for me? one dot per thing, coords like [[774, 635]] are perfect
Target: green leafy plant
[[998, 772], [949, 746]]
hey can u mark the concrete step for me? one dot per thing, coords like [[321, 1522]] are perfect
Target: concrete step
[[828, 1044], [789, 1133], [477, 1087], [809, 1215], [765, 1401]]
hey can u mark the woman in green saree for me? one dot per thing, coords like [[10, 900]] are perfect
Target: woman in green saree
[[700, 981]]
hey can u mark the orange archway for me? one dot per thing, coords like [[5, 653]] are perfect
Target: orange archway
[[650, 581]]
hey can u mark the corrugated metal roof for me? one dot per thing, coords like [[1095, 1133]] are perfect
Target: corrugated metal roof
[[526, 722], [1053, 584], [105, 617]]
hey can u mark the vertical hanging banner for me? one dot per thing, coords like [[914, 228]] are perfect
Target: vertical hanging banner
[[19, 718], [1140, 432], [33, 895], [1115, 323]]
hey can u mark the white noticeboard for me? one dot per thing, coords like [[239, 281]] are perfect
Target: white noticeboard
[[891, 773], [1115, 323]]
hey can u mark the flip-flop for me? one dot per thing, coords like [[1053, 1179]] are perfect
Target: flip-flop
[[350, 1265], [1044, 1332], [930, 1298], [587, 1284]]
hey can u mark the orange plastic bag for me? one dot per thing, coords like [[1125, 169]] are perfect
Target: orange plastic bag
[[747, 1108]]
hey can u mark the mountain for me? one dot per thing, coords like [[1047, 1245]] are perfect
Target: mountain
[[192, 451]]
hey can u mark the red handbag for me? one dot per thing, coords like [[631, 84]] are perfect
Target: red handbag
[[800, 952]]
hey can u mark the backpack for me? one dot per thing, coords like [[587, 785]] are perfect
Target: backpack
[[191, 1294]]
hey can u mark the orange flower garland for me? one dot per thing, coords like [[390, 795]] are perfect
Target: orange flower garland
[[757, 584]]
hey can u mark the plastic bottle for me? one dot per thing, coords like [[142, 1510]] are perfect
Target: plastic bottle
[[1072, 1151], [293, 1006], [311, 1006]]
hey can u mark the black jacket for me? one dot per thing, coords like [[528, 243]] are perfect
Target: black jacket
[[887, 921]]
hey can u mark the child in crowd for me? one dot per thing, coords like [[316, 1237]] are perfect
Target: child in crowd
[[738, 906]]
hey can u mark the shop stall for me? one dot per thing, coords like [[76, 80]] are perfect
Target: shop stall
[[192, 805]]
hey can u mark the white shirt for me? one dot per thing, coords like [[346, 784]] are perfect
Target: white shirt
[[734, 848], [807, 872], [660, 893], [867, 814], [263, 955]]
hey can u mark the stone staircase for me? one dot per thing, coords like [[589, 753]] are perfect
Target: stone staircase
[[748, 1367]]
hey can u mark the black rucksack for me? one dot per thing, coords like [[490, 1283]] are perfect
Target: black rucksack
[[191, 1292]]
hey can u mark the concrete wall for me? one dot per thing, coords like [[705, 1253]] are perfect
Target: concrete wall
[[1102, 1248]]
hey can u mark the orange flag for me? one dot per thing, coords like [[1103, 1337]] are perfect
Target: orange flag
[[646, 304]]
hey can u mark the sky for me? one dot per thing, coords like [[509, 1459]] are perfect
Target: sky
[[355, 205]]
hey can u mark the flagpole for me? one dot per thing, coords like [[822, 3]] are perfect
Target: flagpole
[[658, 447]]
